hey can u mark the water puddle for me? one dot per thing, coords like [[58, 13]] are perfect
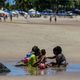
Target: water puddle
[[23, 71], [73, 68]]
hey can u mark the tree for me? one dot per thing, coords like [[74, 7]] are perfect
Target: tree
[[40, 5], [77, 3], [2, 3], [23, 4]]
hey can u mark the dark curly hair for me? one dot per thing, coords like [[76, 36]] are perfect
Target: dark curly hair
[[57, 50], [36, 50], [43, 51]]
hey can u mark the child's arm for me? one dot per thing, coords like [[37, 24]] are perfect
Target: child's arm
[[37, 63]]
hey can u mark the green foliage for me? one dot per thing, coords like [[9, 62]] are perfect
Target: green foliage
[[23, 4], [47, 4], [2, 3]]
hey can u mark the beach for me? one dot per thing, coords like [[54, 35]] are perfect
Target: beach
[[18, 37]]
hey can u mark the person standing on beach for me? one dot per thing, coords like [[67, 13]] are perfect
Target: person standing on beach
[[5, 17], [55, 19], [10, 15], [0, 19], [50, 19]]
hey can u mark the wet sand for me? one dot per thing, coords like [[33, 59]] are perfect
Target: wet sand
[[62, 76], [18, 37]]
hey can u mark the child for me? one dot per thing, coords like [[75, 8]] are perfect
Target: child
[[59, 57], [34, 57], [30, 58], [41, 60], [43, 57]]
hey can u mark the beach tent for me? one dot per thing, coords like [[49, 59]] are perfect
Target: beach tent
[[1, 11], [32, 10]]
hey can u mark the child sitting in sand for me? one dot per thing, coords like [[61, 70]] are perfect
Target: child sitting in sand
[[43, 56], [59, 57], [41, 59], [30, 58], [34, 57]]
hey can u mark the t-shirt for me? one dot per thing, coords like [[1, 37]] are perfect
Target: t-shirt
[[32, 60], [60, 59]]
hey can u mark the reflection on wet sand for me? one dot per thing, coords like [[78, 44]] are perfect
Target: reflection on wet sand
[[25, 71]]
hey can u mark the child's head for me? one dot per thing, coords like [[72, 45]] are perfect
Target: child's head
[[36, 50], [43, 51], [57, 50]]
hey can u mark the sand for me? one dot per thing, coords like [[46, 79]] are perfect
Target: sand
[[18, 37]]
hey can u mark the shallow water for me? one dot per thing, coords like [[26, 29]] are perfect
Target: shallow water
[[73, 68], [23, 71]]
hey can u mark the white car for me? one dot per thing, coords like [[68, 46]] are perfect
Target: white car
[[14, 13], [25, 14], [34, 14]]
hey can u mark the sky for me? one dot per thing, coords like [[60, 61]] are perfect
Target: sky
[[10, 1]]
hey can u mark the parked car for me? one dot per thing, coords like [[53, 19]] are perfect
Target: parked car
[[15, 13], [76, 11], [47, 12], [35, 14], [62, 13], [25, 14]]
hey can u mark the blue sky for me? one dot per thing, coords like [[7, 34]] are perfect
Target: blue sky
[[10, 1]]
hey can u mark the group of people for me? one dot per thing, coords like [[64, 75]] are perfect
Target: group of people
[[37, 58], [5, 16], [55, 19]]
